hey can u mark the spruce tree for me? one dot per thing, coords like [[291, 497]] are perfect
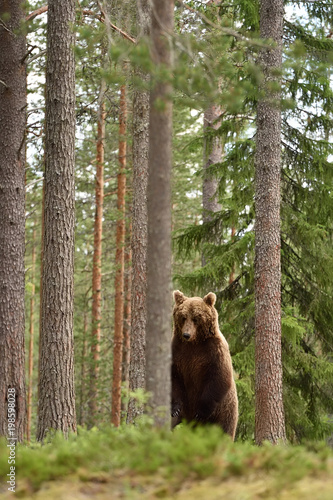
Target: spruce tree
[[306, 222]]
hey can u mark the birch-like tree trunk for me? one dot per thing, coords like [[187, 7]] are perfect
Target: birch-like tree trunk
[[12, 217], [269, 420], [56, 388], [137, 375], [158, 346]]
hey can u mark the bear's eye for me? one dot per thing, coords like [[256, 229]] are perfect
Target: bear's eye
[[181, 319]]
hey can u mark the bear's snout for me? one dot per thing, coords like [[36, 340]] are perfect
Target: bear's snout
[[186, 336]]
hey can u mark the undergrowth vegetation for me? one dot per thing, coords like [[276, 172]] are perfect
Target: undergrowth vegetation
[[187, 454]]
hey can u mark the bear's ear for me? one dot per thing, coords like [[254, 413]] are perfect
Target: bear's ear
[[179, 297], [210, 299]]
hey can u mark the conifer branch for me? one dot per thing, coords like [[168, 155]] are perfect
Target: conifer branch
[[223, 29], [101, 17], [36, 56], [36, 13]]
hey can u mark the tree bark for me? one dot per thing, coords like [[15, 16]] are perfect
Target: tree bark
[[97, 256], [127, 316], [57, 392], [119, 261], [269, 420], [31, 336], [12, 216], [158, 346], [82, 413], [137, 375], [213, 150]]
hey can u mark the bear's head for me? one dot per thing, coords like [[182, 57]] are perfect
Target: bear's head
[[195, 319]]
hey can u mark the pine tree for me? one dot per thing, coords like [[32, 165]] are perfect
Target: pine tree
[[268, 390], [212, 155], [56, 389], [120, 265], [158, 349], [31, 337], [97, 255], [137, 375], [12, 216]]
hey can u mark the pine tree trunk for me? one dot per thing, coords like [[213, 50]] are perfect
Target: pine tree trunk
[[97, 257], [56, 391], [41, 286], [269, 421], [119, 261], [127, 315], [12, 216], [31, 336], [213, 151], [81, 412], [158, 346], [137, 375]]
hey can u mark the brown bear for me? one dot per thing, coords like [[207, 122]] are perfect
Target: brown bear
[[203, 386]]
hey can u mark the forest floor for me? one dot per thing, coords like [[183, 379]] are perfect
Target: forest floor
[[141, 463]]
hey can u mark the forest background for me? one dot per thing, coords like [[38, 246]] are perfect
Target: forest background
[[215, 63]]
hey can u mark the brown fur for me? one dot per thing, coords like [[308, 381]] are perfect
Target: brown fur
[[203, 387]]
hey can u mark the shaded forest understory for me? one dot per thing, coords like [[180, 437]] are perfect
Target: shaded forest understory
[[134, 463]]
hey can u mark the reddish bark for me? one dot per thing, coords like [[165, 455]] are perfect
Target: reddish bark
[[97, 257]]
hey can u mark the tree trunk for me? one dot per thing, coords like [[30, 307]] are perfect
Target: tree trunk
[[119, 261], [31, 335], [137, 375], [82, 413], [57, 392], [12, 217], [213, 151], [127, 315], [158, 346], [97, 257], [269, 421]]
